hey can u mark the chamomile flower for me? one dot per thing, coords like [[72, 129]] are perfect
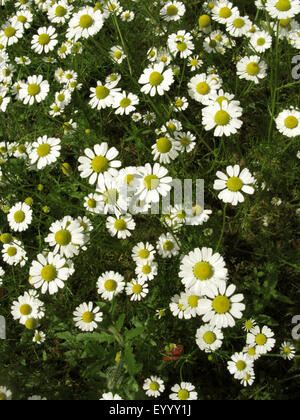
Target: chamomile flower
[[233, 183], [261, 338], [5, 393], [198, 215], [103, 96], [27, 307], [167, 246], [252, 68], [260, 41], [93, 203], [149, 118], [11, 32], [172, 11], [143, 252], [160, 313], [124, 103], [152, 54], [239, 365], [282, 9], [59, 12], [113, 79], [156, 80], [201, 86], [276, 201], [154, 386], [209, 339], [14, 253], [113, 196], [49, 272], [249, 324], [20, 217], [251, 352], [6, 73], [183, 391], [85, 23], [165, 149], [287, 350], [86, 317], [120, 226], [187, 141], [146, 270], [223, 10], [153, 182], [66, 236], [45, 40], [137, 289], [163, 56], [23, 60], [288, 122], [117, 54], [248, 379], [44, 151], [35, 89], [180, 103], [237, 25], [181, 44], [201, 269], [110, 284], [110, 396], [97, 162], [127, 16], [190, 302], [39, 337], [194, 62], [4, 100], [221, 305]]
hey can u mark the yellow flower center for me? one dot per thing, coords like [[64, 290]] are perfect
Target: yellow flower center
[[252, 351], [291, 122], [22, 19], [49, 272], [155, 78], [238, 23], [137, 288], [234, 184], [120, 224], [110, 196], [183, 394], [209, 337], [287, 350], [88, 317], [125, 102], [222, 117], [285, 22], [43, 149], [204, 21], [172, 10], [181, 46], [164, 145], [25, 309], [261, 41], [31, 323], [151, 182], [129, 178], [144, 253], [260, 339], [60, 11], [19, 216], [203, 88], [102, 92], [146, 269], [203, 271], [252, 69], [249, 325], [91, 203], [110, 285], [99, 164], [154, 386], [283, 5], [11, 251], [86, 21], [225, 12], [9, 31], [33, 89], [193, 301], [168, 245], [63, 237], [221, 304], [118, 55], [44, 39], [240, 365], [61, 97]]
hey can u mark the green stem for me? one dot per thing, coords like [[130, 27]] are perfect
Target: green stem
[[122, 41], [223, 228]]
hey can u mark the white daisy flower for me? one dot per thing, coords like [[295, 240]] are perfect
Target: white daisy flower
[[248, 379], [249, 324], [110, 396], [178, 309], [252, 68], [93, 203], [63, 97], [36, 398], [143, 252], [237, 25], [113, 196], [288, 122], [181, 43], [5, 393], [194, 62], [49, 272], [103, 96], [201, 269], [4, 100], [209, 339], [239, 365], [153, 182], [45, 40], [146, 270], [165, 149], [167, 246], [85, 23], [183, 391], [222, 11], [232, 183], [276, 201], [198, 216], [156, 80], [19, 217], [154, 386], [120, 226], [221, 305], [190, 302], [86, 317], [27, 307], [11, 32], [66, 236], [44, 151], [117, 54], [14, 253], [59, 12], [287, 350], [260, 41], [149, 118], [282, 9], [224, 119], [110, 284], [251, 352], [172, 11], [201, 86], [98, 161], [261, 338], [180, 103], [35, 89], [127, 16], [137, 289], [124, 103], [113, 79], [163, 56], [39, 337]]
